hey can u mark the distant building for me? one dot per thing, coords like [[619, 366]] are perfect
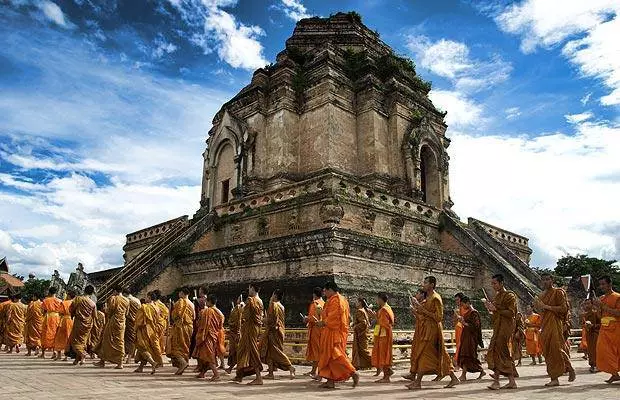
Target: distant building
[[8, 283]]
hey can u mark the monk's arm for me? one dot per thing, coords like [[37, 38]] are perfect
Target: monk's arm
[[507, 308]]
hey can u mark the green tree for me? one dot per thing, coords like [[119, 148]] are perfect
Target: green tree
[[35, 286], [581, 264]]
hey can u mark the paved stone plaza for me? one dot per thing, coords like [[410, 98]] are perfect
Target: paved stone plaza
[[32, 378]]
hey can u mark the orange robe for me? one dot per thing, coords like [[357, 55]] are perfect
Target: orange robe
[[61, 340], [592, 331], [34, 324], [162, 332], [429, 353], [112, 347], [14, 325], [3, 308], [333, 362], [51, 307], [498, 355], [314, 332], [146, 325], [361, 357], [248, 355], [94, 338], [271, 344], [532, 335], [608, 344], [382, 344], [130, 332], [209, 343], [83, 310], [182, 327], [458, 331], [234, 331], [552, 333]]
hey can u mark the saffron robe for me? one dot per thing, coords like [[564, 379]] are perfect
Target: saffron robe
[[361, 357], [61, 340], [51, 320], [3, 308], [382, 343], [498, 355], [592, 331], [34, 324], [471, 338], [234, 331], [271, 344], [532, 334], [146, 326], [182, 328], [429, 353], [333, 362], [14, 325], [458, 331], [608, 344], [130, 331], [94, 338], [314, 332], [248, 355], [112, 345], [162, 333], [209, 334], [552, 332], [83, 310], [518, 337]]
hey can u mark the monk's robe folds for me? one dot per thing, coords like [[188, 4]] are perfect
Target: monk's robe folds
[[51, 320], [14, 325], [608, 345], [361, 357], [552, 332], [130, 331], [94, 338], [272, 341], [209, 335], [314, 332], [532, 335], [182, 328], [429, 355], [518, 337], [498, 356], [458, 331], [34, 324], [333, 362], [3, 308], [234, 331], [61, 341], [112, 345], [83, 310], [248, 355], [592, 331], [471, 338], [162, 332], [382, 344], [146, 325]]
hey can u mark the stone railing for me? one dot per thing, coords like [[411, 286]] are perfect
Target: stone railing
[[154, 230], [500, 234]]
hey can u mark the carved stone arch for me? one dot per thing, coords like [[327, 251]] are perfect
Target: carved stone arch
[[430, 174]]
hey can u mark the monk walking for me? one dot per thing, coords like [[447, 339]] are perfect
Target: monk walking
[[83, 309], [130, 331], [333, 362], [314, 332], [553, 307], [532, 335], [272, 341], [248, 355], [360, 356], [458, 327], [164, 321], [112, 345], [146, 325], [34, 325], [15, 322], [382, 334], [209, 343], [94, 338], [504, 310], [429, 355], [61, 340], [518, 337], [592, 326], [234, 332], [182, 328], [471, 338], [608, 344], [51, 320]]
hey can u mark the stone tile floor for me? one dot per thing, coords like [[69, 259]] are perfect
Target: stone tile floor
[[32, 378]]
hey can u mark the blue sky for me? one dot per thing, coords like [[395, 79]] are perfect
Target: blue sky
[[105, 108]]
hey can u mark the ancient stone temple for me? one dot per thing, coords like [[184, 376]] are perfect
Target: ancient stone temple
[[331, 164]]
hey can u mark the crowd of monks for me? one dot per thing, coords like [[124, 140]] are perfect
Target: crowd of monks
[[148, 330]]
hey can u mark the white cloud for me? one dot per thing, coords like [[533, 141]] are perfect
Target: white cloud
[[462, 111], [512, 112], [586, 29], [162, 47], [578, 118], [452, 60], [53, 12], [585, 99], [294, 9]]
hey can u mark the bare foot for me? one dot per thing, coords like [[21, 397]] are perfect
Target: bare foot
[[571, 376], [256, 382], [182, 366], [553, 382], [269, 376], [228, 370], [214, 378], [356, 379], [510, 386], [236, 379], [377, 372], [482, 373], [409, 376], [327, 385], [99, 364], [383, 380], [613, 378], [463, 378], [494, 386], [453, 382], [292, 370], [414, 386]]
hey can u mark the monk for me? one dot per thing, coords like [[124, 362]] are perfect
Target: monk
[[112, 345], [61, 340], [271, 344], [34, 325], [471, 338], [146, 325], [532, 335], [583, 344], [83, 310], [182, 328], [130, 332], [248, 355], [592, 325], [51, 320], [458, 328], [382, 338], [15, 322], [234, 332], [314, 332], [553, 306], [361, 357], [200, 303], [430, 355], [504, 310], [209, 335], [608, 344], [164, 320], [3, 308], [518, 337], [94, 338], [333, 364], [420, 297]]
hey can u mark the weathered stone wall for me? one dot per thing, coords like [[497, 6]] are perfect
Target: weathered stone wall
[[167, 281]]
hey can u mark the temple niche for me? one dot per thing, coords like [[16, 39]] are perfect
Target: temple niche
[[331, 164]]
